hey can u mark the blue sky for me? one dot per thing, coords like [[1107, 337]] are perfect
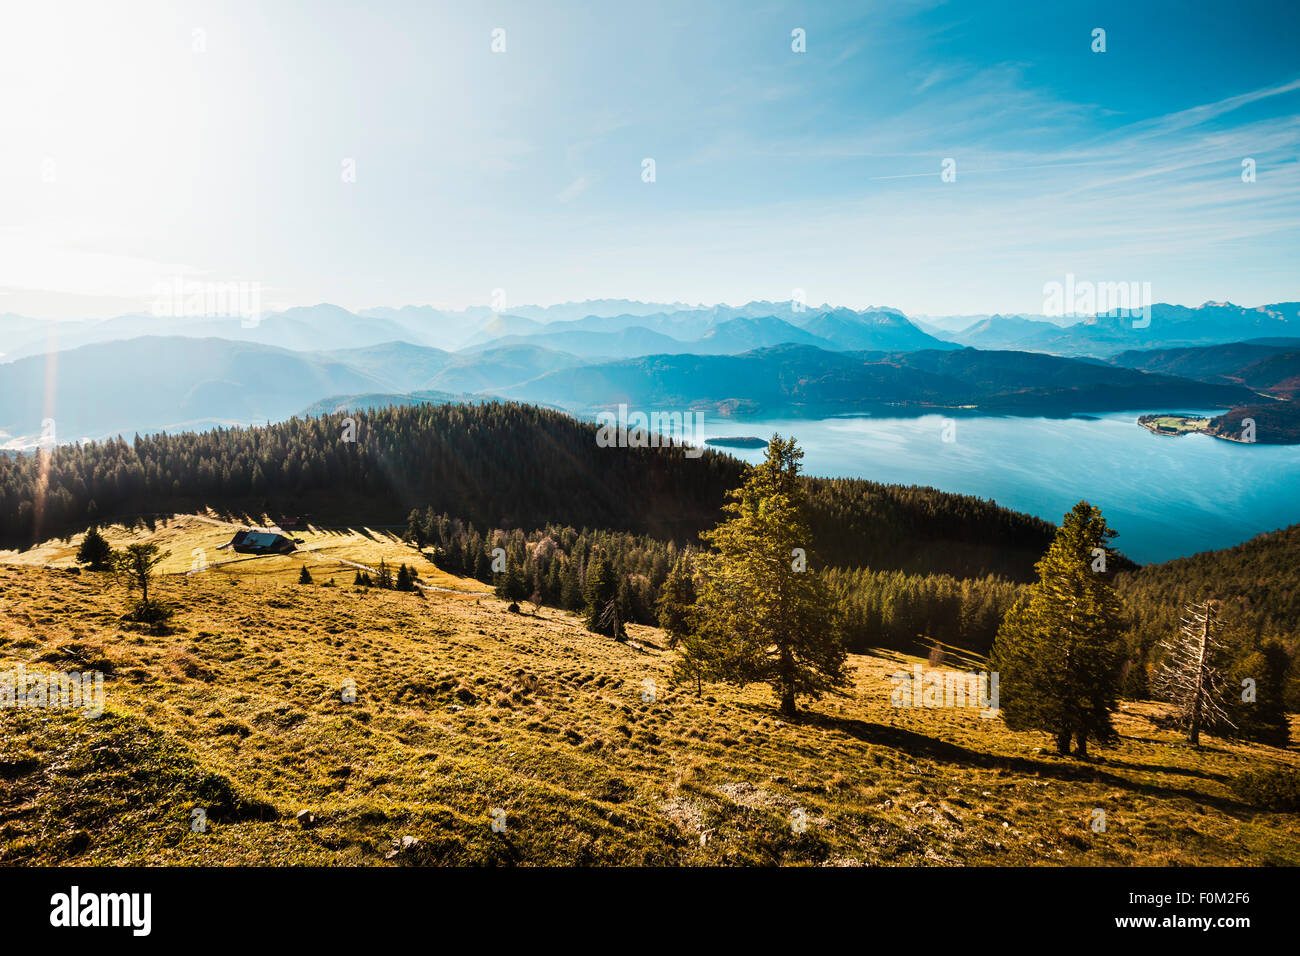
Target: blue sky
[[138, 149]]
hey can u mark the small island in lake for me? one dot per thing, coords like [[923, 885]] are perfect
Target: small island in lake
[[1277, 423], [742, 441], [1173, 424]]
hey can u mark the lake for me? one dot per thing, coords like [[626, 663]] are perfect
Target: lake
[[1166, 496]]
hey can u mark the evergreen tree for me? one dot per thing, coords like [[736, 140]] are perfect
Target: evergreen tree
[[304, 576], [696, 662], [1059, 650], [675, 600], [404, 581], [571, 598], [601, 592], [625, 597], [1257, 704], [455, 556], [512, 586], [415, 529], [762, 615], [95, 551]]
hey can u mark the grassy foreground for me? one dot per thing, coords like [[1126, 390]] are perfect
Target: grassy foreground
[[466, 715]]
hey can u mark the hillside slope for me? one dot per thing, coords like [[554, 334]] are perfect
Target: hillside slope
[[579, 746], [496, 466], [1258, 575]]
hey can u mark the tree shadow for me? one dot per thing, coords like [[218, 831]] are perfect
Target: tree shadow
[[1175, 771], [1070, 769]]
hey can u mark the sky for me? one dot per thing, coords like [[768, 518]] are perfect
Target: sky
[[212, 141]]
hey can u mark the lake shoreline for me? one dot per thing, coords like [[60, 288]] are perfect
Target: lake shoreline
[[1166, 499]]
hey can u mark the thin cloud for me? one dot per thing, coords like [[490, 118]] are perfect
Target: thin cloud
[[573, 190]]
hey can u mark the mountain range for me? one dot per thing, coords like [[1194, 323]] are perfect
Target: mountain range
[[1269, 366], [805, 379], [618, 328], [104, 376], [1170, 326]]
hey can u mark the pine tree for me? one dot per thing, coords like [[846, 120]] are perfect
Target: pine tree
[[404, 582], [415, 529], [1257, 705], [601, 592], [512, 586], [304, 576], [1059, 649], [761, 614], [95, 551], [695, 663], [454, 560], [571, 587], [675, 600]]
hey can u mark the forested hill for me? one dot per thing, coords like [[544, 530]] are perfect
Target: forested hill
[[495, 465], [1258, 577], [1255, 581]]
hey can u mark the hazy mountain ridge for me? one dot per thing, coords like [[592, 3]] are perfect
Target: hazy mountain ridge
[[789, 377], [746, 360], [1210, 362], [175, 381], [1271, 369], [1170, 326], [154, 383], [327, 326]]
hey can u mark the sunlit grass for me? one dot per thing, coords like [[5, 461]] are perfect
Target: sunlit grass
[[463, 709]]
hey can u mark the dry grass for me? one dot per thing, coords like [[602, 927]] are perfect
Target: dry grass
[[192, 543], [463, 709]]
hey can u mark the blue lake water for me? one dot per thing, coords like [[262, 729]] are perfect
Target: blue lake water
[[1166, 496]]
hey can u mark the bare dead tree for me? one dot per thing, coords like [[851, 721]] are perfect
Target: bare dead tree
[[1187, 676], [609, 619]]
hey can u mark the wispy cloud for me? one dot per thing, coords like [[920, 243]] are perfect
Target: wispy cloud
[[573, 190]]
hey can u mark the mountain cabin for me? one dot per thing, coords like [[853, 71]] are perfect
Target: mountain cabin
[[259, 542]]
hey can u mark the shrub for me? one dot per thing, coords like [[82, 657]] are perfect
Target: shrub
[[95, 552]]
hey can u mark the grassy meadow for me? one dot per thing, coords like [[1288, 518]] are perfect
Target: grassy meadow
[[480, 736]]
